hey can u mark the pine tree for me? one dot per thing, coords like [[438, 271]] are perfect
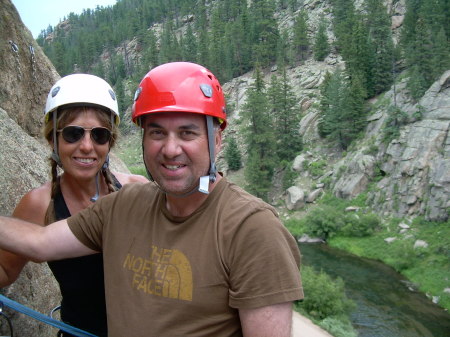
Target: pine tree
[[283, 52], [58, 58], [233, 155], [331, 93], [382, 46], [189, 46], [259, 138], [353, 120], [425, 44], [321, 46], [151, 56], [293, 5], [229, 52], [360, 56], [283, 107], [216, 53], [264, 31], [416, 83], [300, 43], [343, 23], [241, 42], [441, 59], [170, 49], [342, 108]]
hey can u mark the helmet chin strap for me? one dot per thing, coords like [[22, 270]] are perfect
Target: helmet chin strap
[[97, 187], [55, 155], [204, 181]]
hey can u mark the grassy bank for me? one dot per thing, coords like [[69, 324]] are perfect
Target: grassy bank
[[428, 268], [416, 248]]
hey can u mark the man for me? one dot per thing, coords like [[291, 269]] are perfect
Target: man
[[191, 254]]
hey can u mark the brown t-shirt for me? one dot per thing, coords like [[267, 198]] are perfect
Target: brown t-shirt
[[188, 276]]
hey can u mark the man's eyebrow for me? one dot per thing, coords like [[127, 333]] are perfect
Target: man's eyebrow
[[191, 126], [153, 125]]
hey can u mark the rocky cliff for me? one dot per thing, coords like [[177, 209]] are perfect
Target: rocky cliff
[[414, 167], [26, 76], [412, 170]]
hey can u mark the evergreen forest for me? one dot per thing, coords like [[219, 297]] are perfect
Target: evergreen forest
[[233, 37]]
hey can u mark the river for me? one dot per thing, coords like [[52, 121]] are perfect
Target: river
[[386, 306]]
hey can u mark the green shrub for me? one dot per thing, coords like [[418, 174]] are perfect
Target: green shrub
[[289, 175], [360, 225], [402, 255], [395, 120], [324, 222], [338, 327], [418, 115], [372, 150], [317, 168], [295, 226], [324, 297]]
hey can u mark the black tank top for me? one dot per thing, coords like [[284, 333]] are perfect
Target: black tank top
[[81, 283]]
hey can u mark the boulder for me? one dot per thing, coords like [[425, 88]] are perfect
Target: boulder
[[312, 196], [298, 163], [420, 244], [390, 239], [295, 198]]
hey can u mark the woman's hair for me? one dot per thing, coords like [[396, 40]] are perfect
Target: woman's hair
[[64, 117]]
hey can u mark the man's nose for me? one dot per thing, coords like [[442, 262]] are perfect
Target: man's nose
[[171, 146]]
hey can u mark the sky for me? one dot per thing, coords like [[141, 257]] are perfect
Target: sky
[[37, 15]]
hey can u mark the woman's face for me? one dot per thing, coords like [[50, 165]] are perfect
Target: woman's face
[[82, 159]]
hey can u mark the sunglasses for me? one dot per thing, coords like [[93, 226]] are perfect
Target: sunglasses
[[73, 133]]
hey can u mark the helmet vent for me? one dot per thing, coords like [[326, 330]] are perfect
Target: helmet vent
[[113, 95], [137, 93], [55, 91], [207, 90]]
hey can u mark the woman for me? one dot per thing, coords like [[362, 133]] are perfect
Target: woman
[[81, 119]]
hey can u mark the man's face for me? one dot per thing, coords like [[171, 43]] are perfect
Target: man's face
[[176, 150]]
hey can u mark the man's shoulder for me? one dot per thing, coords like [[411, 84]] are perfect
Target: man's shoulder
[[237, 198]]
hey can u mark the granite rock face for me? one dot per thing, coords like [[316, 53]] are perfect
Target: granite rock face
[[415, 167], [26, 76]]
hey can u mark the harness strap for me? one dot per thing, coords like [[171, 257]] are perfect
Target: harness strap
[[44, 318]]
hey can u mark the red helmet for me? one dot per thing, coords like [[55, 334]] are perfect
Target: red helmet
[[182, 87]]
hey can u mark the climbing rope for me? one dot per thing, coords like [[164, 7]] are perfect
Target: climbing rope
[[40, 317]]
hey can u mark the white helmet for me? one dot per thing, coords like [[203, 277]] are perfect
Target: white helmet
[[82, 90]]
